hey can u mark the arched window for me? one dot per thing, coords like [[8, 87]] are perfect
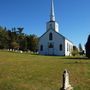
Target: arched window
[[67, 47], [50, 36], [60, 47], [41, 48]]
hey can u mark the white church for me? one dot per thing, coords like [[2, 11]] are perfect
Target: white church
[[52, 42]]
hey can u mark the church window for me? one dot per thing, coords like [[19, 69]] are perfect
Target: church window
[[50, 45], [60, 47], [50, 36], [41, 48], [67, 47]]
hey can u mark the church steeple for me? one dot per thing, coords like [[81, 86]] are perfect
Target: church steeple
[[52, 24], [52, 14]]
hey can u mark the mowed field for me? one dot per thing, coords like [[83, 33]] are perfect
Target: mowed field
[[34, 72]]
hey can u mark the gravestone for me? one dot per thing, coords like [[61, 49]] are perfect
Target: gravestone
[[66, 84]]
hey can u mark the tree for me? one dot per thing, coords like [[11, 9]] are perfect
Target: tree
[[3, 38], [75, 51], [87, 47], [80, 47], [81, 51], [15, 45], [33, 43], [20, 29], [15, 39]]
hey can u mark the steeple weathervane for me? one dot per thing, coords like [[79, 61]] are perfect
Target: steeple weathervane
[[52, 15]]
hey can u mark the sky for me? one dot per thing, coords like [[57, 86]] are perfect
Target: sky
[[73, 17]]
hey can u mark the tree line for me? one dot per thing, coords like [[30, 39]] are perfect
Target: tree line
[[79, 51], [17, 40]]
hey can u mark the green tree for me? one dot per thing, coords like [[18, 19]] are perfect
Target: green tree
[[75, 51], [33, 43], [3, 38], [87, 47], [21, 38], [15, 39], [12, 37], [15, 45], [81, 51], [80, 47], [20, 29]]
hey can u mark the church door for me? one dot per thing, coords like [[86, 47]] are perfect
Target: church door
[[50, 49]]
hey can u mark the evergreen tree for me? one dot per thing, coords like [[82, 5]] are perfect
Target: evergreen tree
[[87, 47], [81, 51], [3, 38], [33, 43], [80, 47], [15, 39], [75, 51], [20, 29]]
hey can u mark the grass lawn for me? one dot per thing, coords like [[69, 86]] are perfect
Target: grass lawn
[[34, 72]]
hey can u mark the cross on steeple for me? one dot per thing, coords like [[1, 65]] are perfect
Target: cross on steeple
[[52, 14]]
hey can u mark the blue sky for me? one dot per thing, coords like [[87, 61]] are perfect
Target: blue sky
[[73, 17]]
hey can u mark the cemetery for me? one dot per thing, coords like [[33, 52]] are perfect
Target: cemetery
[[25, 71], [46, 62]]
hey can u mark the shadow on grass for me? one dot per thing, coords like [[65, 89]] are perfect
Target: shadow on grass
[[78, 62], [77, 58]]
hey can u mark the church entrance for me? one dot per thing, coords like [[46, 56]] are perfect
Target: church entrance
[[50, 49]]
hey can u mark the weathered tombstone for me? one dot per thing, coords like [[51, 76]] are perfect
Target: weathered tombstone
[[10, 49], [21, 51], [66, 84]]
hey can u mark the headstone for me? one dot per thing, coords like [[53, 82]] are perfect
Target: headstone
[[21, 51], [66, 84], [10, 49]]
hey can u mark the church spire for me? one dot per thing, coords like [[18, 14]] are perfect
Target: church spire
[[52, 24], [52, 14]]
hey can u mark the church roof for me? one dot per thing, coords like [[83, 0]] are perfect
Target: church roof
[[58, 34]]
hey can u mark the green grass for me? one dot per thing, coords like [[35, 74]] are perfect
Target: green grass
[[34, 72]]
